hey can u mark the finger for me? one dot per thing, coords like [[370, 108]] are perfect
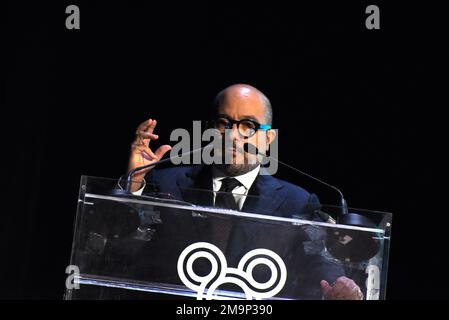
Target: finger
[[360, 295], [144, 125], [162, 150], [144, 151], [347, 289], [151, 125], [325, 288], [147, 135], [141, 141], [146, 130], [344, 281], [356, 292], [339, 287], [149, 152], [349, 283], [141, 128]]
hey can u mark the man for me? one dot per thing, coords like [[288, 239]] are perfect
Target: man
[[247, 113]]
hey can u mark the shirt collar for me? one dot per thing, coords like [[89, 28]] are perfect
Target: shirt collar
[[246, 179]]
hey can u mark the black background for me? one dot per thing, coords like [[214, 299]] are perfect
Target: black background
[[354, 107]]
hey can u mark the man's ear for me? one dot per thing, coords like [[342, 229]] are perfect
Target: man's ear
[[271, 136]]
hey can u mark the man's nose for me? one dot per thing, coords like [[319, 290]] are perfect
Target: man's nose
[[234, 132]]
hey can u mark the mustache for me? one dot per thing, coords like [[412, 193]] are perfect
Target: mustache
[[234, 147]]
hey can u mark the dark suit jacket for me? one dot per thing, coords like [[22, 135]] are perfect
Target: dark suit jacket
[[274, 197], [270, 195]]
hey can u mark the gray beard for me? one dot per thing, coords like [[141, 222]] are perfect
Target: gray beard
[[233, 170]]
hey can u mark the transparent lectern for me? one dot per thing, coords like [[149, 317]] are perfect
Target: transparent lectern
[[161, 246]]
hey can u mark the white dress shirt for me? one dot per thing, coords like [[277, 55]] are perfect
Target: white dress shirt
[[246, 180]]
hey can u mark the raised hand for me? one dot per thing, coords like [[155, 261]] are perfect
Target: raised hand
[[141, 153]]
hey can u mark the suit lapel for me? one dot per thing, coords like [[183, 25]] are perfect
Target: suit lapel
[[264, 197], [196, 185]]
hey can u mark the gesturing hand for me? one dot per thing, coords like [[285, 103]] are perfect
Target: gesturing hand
[[141, 154]]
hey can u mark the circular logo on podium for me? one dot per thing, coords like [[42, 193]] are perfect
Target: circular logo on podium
[[219, 274]]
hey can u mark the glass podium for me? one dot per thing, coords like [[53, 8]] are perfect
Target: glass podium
[[163, 246]]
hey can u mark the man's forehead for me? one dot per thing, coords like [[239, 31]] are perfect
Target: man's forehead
[[240, 116], [242, 99], [243, 110], [241, 92]]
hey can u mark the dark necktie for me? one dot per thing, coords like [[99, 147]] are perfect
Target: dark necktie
[[224, 198], [221, 228]]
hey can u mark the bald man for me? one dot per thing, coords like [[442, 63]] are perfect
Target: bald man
[[247, 114]]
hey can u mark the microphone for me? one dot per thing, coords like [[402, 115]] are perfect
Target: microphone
[[315, 205], [133, 171], [250, 148]]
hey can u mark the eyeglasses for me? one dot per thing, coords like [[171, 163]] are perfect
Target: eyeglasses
[[246, 127]]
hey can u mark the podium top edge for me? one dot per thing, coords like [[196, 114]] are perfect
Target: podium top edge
[[232, 213]]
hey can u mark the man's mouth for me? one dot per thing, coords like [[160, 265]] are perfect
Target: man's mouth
[[234, 150]]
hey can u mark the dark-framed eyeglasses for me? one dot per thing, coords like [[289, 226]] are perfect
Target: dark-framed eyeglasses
[[246, 127]]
